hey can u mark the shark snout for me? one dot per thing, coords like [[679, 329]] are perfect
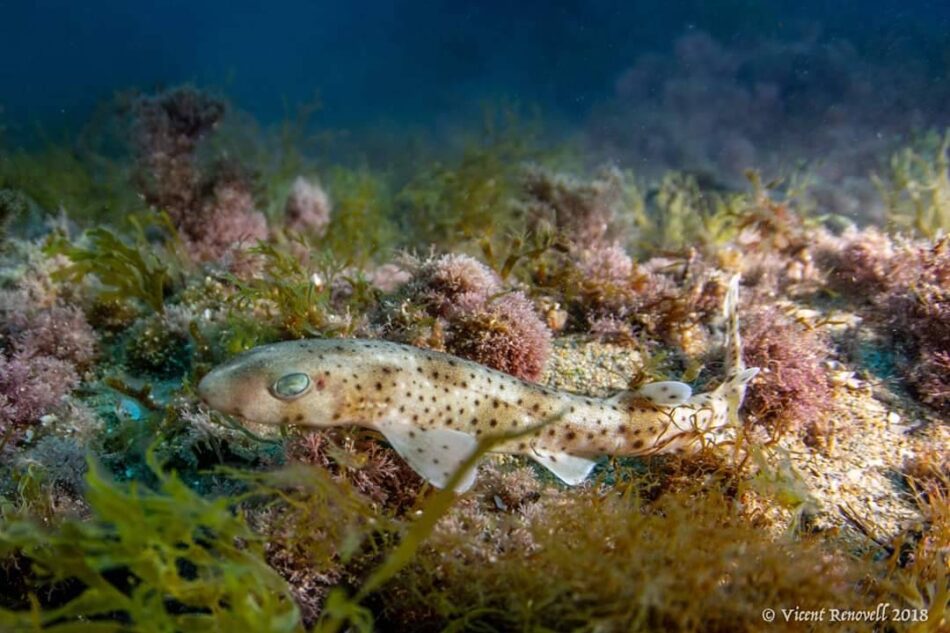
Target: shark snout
[[223, 390], [239, 390], [209, 389]]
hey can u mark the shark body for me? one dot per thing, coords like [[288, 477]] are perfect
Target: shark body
[[433, 408]]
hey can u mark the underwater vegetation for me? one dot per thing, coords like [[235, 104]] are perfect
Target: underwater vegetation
[[210, 202], [793, 387], [48, 346], [308, 208], [715, 106], [903, 287], [144, 560], [666, 565], [472, 196], [457, 304], [917, 188], [126, 504]]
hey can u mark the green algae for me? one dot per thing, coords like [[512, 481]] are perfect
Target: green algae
[[146, 560], [90, 186], [632, 551], [139, 272], [473, 196], [682, 213], [361, 229], [916, 187], [296, 300]]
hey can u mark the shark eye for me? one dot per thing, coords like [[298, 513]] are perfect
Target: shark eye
[[291, 386]]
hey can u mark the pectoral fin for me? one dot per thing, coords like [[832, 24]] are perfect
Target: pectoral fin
[[570, 469], [434, 453]]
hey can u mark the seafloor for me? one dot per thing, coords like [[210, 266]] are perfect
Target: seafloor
[[128, 505]]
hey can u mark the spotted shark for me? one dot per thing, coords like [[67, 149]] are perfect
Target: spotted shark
[[434, 408]]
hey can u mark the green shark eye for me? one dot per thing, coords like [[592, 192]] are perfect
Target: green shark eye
[[291, 386]]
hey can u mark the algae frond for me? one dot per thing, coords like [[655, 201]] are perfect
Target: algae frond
[[916, 188], [146, 560], [139, 272]]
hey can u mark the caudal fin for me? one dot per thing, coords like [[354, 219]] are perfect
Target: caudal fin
[[737, 375], [730, 308]]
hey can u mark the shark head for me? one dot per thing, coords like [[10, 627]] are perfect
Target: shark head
[[272, 384]]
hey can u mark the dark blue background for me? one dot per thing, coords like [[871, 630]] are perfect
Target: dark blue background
[[395, 61]]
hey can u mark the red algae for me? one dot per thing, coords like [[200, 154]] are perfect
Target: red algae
[[513, 254]]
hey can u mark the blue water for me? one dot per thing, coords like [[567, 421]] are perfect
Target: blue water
[[415, 62]]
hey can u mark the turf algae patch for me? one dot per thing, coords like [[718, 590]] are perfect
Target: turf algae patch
[[342, 610], [599, 559]]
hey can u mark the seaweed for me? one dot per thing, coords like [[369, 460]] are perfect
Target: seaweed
[[586, 213], [361, 228], [866, 265], [590, 560], [472, 197], [58, 331], [517, 253], [679, 213], [342, 609], [13, 205], [456, 303], [89, 186], [357, 457], [902, 286], [792, 391], [917, 317], [212, 205], [298, 301], [30, 387], [158, 348], [277, 156], [505, 334], [917, 569], [771, 217], [146, 560], [136, 272], [916, 189], [308, 208]]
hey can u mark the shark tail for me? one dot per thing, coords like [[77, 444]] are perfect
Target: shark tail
[[737, 375]]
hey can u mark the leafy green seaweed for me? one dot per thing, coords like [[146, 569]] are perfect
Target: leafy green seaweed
[[87, 185], [295, 300], [916, 190], [361, 228], [164, 560], [472, 196], [126, 271]]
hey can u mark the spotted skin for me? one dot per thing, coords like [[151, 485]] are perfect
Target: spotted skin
[[371, 383], [362, 382]]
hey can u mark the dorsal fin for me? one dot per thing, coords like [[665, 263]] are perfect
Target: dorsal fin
[[665, 393]]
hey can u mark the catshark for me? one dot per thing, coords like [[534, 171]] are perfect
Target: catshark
[[434, 408]]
